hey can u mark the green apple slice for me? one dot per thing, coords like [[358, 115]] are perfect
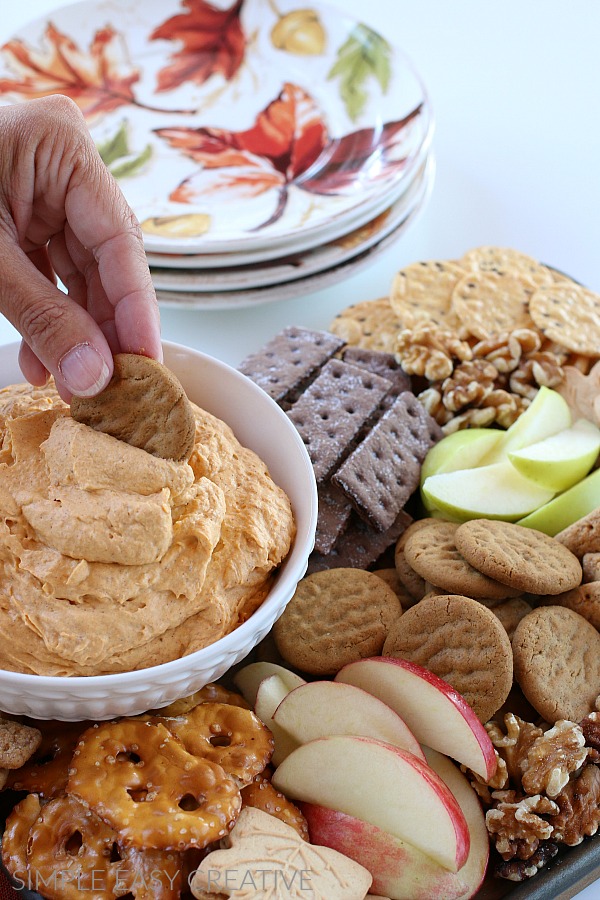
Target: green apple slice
[[498, 491], [460, 450], [560, 461], [548, 414], [566, 508]]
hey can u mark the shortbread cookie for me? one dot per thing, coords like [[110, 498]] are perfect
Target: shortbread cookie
[[557, 663], [583, 536], [520, 557], [335, 617], [462, 642], [143, 405], [431, 552], [510, 612], [584, 600]]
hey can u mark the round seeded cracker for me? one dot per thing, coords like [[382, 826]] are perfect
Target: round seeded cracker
[[492, 302], [372, 325], [505, 260], [422, 293], [569, 314]]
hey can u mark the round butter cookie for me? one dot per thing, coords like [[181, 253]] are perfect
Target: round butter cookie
[[336, 616], [431, 552], [557, 663], [461, 641], [522, 558], [143, 405]]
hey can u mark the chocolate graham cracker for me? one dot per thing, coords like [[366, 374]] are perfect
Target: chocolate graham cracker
[[288, 362], [334, 512], [333, 410], [380, 363], [359, 545], [379, 476]]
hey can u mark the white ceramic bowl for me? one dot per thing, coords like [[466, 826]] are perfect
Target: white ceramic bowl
[[258, 423]]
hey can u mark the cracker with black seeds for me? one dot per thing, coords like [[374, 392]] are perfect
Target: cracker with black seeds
[[333, 411], [384, 470], [287, 363]]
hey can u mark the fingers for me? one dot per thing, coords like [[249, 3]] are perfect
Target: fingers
[[31, 367], [63, 336], [114, 238]]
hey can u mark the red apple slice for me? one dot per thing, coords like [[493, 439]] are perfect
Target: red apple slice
[[383, 785], [473, 871], [399, 870], [320, 708], [436, 714]]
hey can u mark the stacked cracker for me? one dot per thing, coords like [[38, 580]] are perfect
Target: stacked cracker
[[483, 333], [365, 432]]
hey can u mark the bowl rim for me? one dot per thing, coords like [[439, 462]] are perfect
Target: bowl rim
[[295, 567]]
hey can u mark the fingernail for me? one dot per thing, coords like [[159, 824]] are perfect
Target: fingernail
[[84, 370]]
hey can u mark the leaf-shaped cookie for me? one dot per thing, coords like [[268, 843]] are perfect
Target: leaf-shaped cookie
[[265, 858], [582, 392], [365, 53]]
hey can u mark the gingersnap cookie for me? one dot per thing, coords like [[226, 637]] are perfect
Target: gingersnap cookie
[[143, 405], [510, 612], [590, 563], [461, 641], [584, 600], [415, 585], [390, 576], [583, 536], [557, 663], [432, 553], [336, 616], [522, 558]]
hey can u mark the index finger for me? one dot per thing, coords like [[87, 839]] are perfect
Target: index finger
[[112, 234]]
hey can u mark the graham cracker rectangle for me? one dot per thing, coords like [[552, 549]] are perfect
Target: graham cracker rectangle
[[287, 363], [383, 471], [334, 512], [333, 410], [359, 546], [380, 363]]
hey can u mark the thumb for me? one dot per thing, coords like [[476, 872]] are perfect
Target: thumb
[[60, 333]]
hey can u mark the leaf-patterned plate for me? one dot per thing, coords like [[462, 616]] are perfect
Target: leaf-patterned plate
[[298, 265], [232, 125]]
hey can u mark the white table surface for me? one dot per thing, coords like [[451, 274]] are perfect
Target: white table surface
[[515, 89]]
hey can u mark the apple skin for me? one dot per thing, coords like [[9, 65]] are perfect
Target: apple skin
[[547, 414], [383, 785], [400, 871], [271, 692], [496, 491], [247, 679], [566, 508], [473, 871], [560, 461], [436, 714], [320, 708]]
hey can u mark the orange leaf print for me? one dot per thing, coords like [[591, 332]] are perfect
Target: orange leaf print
[[213, 43], [99, 80], [289, 135]]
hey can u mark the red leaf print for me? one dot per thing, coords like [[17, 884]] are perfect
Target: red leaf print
[[366, 153], [213, 42], [289, 134], [99, 81]]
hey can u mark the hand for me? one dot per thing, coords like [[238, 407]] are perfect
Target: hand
[[62, 214]]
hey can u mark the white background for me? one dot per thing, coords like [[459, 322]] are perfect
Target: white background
[[515, 88]]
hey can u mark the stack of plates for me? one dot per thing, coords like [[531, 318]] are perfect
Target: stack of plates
[[266, 149]]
